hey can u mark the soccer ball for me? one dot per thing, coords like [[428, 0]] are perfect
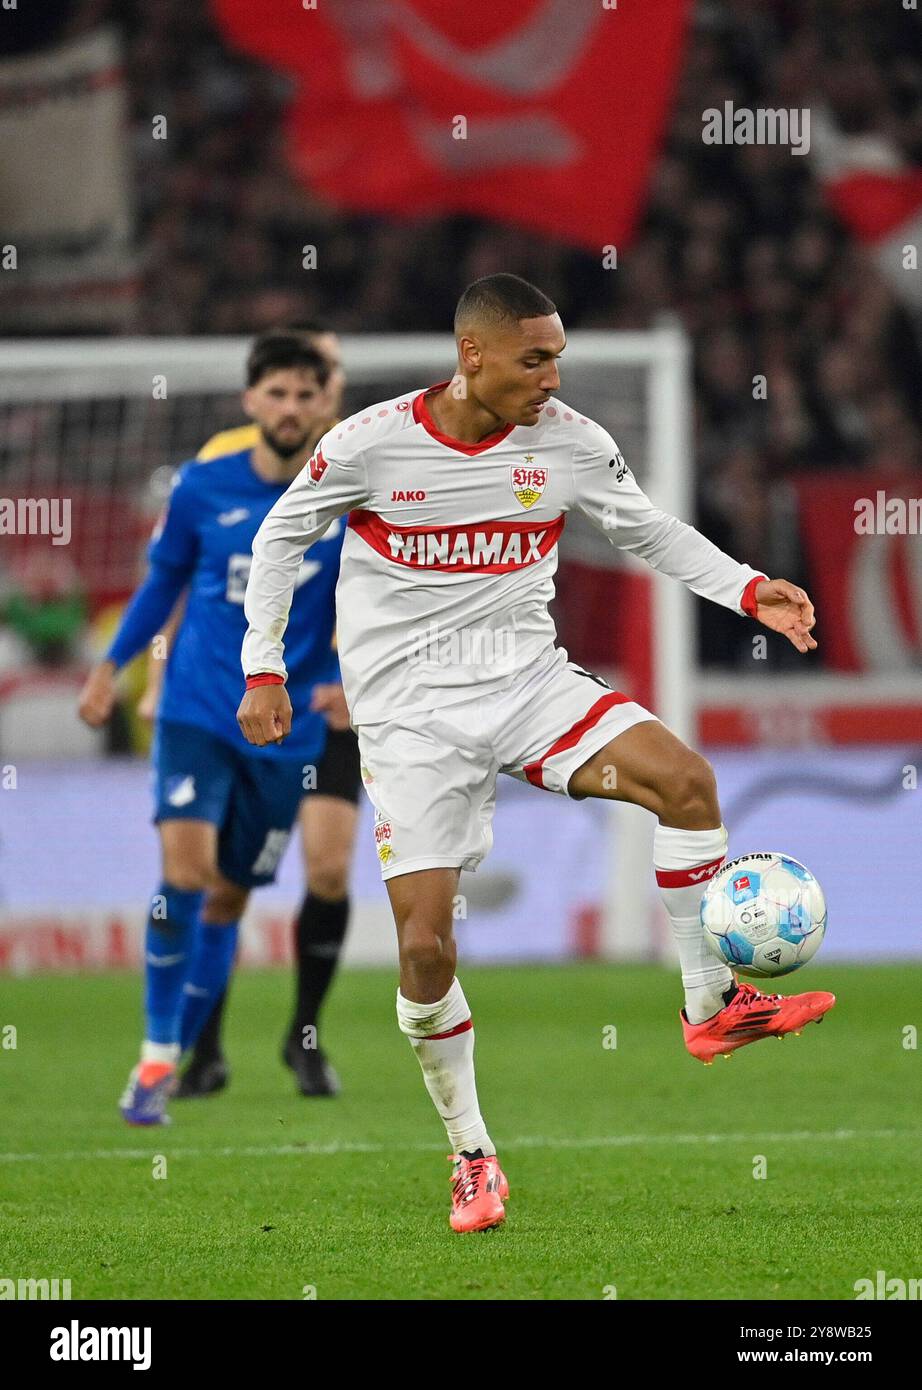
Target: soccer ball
[[764, 914]]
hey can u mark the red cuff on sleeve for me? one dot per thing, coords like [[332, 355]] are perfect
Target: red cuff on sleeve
[[748, 601], [265, 678]]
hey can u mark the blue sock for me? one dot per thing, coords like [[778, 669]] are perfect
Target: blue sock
[[212, 962], [167, 945]]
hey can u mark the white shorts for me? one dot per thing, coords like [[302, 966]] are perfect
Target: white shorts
[[432, 776]]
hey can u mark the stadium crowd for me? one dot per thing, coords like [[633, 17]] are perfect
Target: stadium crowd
[[737, 241]]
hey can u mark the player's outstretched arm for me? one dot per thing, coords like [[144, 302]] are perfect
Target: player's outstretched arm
[[785, 608], [327, 487], [606, 491]]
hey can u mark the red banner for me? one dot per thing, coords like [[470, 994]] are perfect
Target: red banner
[[544, 113], [861, 535], [877, 194]]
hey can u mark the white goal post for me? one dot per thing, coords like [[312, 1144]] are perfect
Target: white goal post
[[141, 403]]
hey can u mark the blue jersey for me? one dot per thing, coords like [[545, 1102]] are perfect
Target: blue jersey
[[214, 512]]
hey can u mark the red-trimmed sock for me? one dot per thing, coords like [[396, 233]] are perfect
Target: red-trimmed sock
[[442, 1036], [684, 861]]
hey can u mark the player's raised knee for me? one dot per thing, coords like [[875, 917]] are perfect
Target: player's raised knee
[[690, 791]]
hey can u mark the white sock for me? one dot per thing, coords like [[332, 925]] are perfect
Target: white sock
[[684, 861], [159, 1052], [447, 1061]]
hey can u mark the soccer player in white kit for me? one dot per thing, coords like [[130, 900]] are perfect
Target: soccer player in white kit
[[457, 495]]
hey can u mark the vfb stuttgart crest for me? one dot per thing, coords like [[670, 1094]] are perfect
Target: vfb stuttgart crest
[[528, 483], [383, 839]]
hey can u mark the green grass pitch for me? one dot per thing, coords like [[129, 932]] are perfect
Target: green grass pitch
[[631, 1167]]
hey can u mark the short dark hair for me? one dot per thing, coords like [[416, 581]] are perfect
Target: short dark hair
[[496, 299], [311, 327], [279, 348]]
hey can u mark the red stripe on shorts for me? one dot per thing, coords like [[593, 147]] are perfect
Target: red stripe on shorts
[[534, 772], [687, 878], [452, 1032]]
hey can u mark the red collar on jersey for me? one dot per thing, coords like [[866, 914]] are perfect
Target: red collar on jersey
[[421, 416]]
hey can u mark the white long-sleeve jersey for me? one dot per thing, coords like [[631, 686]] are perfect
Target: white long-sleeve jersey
[[450, 551]]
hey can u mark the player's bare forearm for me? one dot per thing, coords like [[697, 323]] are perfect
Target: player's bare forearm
[[786, 608], [156, 663], [97, 698]]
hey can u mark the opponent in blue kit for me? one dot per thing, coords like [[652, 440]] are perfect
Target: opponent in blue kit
[[224, 810]]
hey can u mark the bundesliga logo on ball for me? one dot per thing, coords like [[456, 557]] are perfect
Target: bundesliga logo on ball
[[764, 915]]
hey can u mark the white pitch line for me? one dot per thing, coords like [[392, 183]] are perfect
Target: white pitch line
[[605, 1141]]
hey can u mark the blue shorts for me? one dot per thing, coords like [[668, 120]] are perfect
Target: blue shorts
[[252, 801]]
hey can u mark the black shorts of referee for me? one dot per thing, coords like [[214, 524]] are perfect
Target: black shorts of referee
[[339, 770]]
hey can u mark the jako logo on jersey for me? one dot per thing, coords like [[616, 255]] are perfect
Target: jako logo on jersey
[[494, 547], [528, 483], [408, 497], [402, 405], [317, 466]]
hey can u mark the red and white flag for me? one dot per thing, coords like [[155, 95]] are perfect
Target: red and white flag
[[863, 547], [878, 197], [548, 114]]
